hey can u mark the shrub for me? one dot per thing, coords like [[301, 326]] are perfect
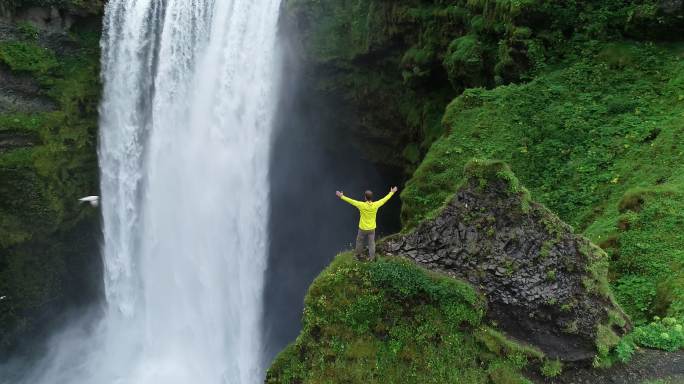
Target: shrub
[[464, 62], [636, 294], [552, 368], [625, 349], [666, 334], [27, 56]]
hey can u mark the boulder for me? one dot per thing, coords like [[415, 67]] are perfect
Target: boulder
[[545, 285]]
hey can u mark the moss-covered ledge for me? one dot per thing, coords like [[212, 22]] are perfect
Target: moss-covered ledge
[[392, 321]]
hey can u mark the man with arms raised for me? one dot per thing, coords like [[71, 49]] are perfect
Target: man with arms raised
[[368, 210]]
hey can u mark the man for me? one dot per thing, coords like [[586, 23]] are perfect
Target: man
[[368, 210]]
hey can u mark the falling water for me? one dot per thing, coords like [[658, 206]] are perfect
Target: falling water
[[186, 120]]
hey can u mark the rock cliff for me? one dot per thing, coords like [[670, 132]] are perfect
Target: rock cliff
[[544, 285], [49, 92]]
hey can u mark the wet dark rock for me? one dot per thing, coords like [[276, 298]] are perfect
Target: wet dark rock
[[544, 284], [9, 141], [22, 93], [47, 18]]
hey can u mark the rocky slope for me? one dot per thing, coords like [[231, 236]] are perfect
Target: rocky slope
[[49, 76], [544, 285]]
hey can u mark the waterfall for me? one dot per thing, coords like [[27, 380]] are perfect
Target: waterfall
[[185, 134]]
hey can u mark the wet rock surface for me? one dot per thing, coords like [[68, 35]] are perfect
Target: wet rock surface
[[545, 285]]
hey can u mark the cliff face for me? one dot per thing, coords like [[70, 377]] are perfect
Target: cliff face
[[543, 284], [49, 76], [395, 65]]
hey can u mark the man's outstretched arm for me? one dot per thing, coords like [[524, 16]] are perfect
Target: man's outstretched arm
[[353, 202], [382, 201]]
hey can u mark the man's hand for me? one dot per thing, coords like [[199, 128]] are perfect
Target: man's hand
[[394, 189], [339, 194]]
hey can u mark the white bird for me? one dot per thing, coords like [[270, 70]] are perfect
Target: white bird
[[2, 298], [93, 200]]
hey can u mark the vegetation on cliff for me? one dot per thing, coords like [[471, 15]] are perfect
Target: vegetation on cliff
[[399, 63], [393, 322], [599, 145], [583, 99], [48, 130]]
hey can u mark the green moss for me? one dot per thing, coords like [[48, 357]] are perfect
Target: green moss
[[486, 171], [552, 368], [391, 321], [499, 344], [545, 251], [464, 62], [593, 144], [508, 123], [606, 340], [27, 56]]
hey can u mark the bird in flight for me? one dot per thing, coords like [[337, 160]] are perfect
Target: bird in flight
[[93, 200]]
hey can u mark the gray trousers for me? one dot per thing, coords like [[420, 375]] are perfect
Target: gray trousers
[[361, 239]]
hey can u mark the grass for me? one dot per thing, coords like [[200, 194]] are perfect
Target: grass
[[391, 321], [600, 147]]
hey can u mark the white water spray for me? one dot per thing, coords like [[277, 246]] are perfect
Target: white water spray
[[186, 120]]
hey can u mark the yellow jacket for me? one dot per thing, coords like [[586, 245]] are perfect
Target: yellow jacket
[[368, 210]]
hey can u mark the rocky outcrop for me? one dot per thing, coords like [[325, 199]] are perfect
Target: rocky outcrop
[[544, 284]]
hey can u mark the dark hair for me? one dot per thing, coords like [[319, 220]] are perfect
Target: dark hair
[[369, 195]]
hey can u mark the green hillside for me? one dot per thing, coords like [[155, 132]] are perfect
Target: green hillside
[[584, 100]]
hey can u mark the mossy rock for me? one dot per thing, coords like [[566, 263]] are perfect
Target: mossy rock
[[392, 321], [544, 285]]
